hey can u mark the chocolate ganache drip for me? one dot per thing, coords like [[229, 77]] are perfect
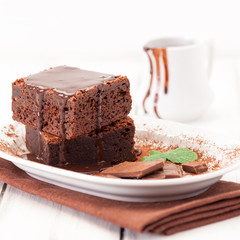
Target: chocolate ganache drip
[[157, 53], [66, 82]]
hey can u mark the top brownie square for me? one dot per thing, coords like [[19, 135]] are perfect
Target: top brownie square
[[69, 102]]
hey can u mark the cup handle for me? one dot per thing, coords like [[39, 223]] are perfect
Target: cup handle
[[210, 54]]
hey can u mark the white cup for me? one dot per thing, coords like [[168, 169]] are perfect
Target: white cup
[[180, 89]]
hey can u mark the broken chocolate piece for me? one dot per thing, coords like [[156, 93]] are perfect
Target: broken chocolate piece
[[194, 167], [134, 169], [172, 171], [168, 171], [106, 176], [155, 175], [110, 176]]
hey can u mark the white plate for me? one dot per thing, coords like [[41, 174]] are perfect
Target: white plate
[[170, 133]]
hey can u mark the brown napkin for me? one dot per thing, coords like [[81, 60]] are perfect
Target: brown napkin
[[220, 202]]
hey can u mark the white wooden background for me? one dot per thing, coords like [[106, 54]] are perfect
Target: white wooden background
[[24, 216]]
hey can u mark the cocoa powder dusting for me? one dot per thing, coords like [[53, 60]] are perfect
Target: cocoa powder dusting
[[11, 134], [10, 131]]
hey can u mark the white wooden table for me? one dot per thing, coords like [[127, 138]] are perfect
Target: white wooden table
[[24, 216]]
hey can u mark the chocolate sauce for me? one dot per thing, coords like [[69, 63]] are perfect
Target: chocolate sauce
[[66, 81], [156, 53], [88, 169], [165, 63], [99, 124], [39, 100], [62, 100], [151, 79]]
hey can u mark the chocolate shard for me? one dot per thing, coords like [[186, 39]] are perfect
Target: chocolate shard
[[110, 176], [194, 167], [134, 169], [106, 176], [155, 175], [172, 171]]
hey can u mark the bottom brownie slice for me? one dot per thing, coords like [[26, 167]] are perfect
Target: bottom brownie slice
[[115, 140]]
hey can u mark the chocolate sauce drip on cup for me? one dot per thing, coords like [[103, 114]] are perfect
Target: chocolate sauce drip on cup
[[66, 82], [157, 53]]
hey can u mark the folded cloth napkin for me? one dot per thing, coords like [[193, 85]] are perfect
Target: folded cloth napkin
[[219, 202]]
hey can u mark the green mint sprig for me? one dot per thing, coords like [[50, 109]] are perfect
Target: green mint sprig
[[154, 155], [178, 155]]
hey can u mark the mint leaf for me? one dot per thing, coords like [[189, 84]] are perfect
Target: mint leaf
[[154, 155], [181, 155], [153, 152]]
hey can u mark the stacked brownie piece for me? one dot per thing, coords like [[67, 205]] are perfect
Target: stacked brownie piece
[[74, 116]]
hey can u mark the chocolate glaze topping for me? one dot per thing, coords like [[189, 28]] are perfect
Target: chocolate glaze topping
[[66, 81]]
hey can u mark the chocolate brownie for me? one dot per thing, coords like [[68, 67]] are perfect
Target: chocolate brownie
[[70, 102], [114, 146]]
